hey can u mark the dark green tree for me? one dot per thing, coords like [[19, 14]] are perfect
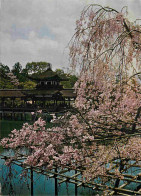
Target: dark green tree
[[24, 75], [4, 69], [16, 70], [71, 79], [37, 67], [5, 82]]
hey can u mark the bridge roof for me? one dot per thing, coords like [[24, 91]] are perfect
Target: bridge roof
[[19, 93], [69, 93], [9, 93]]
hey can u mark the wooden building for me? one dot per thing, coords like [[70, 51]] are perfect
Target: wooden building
[[48, 95]]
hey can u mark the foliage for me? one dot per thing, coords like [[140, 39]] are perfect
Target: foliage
[[37, 67], [70, 79], [4, 69], [5, 80], [17, 68], [28, 85], [21, 75]]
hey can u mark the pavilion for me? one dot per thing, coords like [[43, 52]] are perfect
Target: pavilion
[[48, 95]]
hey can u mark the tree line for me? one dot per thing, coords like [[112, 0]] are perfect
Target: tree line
[[21, 74]]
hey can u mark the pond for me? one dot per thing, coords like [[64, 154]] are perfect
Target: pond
[[13, 183]]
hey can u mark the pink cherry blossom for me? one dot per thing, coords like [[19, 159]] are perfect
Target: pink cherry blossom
[[101, 126]]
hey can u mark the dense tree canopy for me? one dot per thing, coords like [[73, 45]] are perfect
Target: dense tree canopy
[[21, 75], [37, 67], [5, 80], [17, 68], [4, 69], [71, 79]]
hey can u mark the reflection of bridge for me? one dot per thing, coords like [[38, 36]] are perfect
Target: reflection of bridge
[[51, 108], [25, 113], [0, 188]]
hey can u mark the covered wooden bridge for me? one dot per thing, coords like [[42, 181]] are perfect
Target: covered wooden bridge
[[48, 96]]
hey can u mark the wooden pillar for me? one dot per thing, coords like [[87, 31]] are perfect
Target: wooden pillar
[[33, 101], [21, 116], [69, 102], [75, 185], [13, 99], [32, 117], [56, 187], [2, 115], [43, 102], [31, 176], [64, 100], [11, 116], [24, 116], [14, 116], [3, 102], [24, 103], [121, 167]]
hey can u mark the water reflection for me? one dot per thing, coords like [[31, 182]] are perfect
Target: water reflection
[[0, 189], [14, 180]]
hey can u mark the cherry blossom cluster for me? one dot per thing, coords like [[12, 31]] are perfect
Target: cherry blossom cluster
[[105, 35], [13, 78]]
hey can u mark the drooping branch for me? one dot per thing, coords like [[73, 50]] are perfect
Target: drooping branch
[[103, 32], [136, 118]]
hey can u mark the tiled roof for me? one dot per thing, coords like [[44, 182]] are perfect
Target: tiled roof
[[11, 93], [47, 75], [69, 93], [40, 92]]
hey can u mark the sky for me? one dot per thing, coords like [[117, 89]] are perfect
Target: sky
[[40, 30]]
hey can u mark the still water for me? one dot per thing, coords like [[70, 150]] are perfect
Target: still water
[[15, 184]]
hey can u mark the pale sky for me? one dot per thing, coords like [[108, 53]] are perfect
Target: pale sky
[[40, 30]]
